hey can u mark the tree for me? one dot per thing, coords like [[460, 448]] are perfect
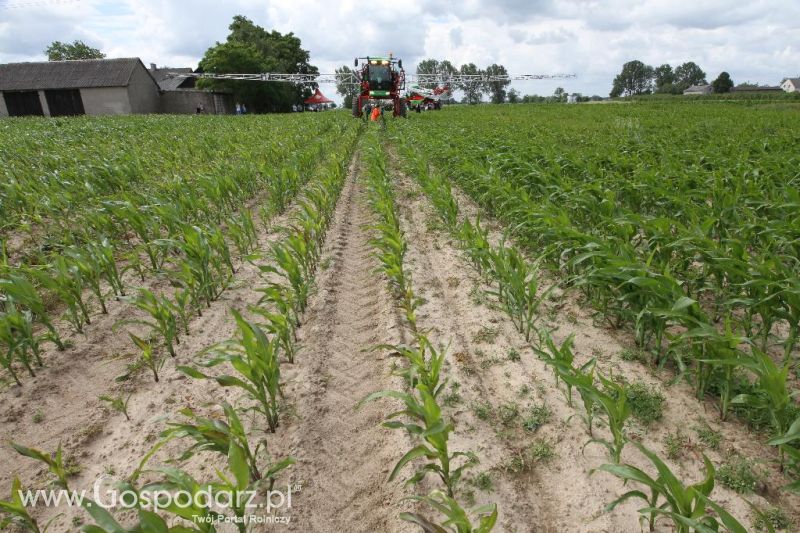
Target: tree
[[635, 78], [345, 86], [473, 90], [687, 75], [663, 78], [723, 83], [434, 66], [58, 51], [513, 96], [560, 95], [497, 89], [251, 48], [428, 66]]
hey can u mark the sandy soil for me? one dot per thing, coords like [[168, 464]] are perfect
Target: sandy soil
[[344, 455]]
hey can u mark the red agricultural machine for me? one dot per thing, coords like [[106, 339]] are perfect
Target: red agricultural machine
[[380, 78]]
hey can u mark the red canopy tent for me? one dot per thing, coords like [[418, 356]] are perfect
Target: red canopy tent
[[317, 98]]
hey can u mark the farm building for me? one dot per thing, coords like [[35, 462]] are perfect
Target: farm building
[[699, 89], [94, 87], [756, 89], [180, 95], [791, 85]]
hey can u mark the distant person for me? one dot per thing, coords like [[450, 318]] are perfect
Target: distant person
[[244, 109], [238, 108]]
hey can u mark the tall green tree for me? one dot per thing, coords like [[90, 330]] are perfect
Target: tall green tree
[[723, 83], [497, 89], [663, 78], [473, 90], [513, 96], [635, 78], [689, 74], [58, 51], [252, 49], [345, 86]]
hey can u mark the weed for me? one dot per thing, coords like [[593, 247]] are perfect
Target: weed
[[538, 415], [708, 436], [483, 481], [486, 335], [508, 413], [737, 474], [676, 444], [772, 518], [483, 410], [646, 403]]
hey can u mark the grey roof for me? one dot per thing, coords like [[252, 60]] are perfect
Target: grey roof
[[67, 74], [167, 83], [698, 89], [795, 81]]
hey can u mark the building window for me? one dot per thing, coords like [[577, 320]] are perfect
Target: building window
[[23, 103], [64, 102]]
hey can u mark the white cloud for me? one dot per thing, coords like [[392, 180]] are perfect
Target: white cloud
[[755, 41]]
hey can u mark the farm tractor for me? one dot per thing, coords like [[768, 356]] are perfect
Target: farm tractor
[[380, 78]]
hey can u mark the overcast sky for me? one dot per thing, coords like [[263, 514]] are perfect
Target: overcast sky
[[756, 40]]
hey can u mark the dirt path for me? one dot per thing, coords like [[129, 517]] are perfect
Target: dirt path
[[344, 456]]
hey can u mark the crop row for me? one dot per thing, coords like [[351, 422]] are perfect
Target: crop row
[[161, 238], [254, 356], [421, 416], [688, 507], [701, 319]]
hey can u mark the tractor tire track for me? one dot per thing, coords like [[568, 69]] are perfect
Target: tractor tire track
[[343, 455]]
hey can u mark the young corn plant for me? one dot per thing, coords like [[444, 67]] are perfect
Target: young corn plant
[[280, 325], [16, 513], [457, 519], [102, 254], [150, 359], [20, 340], [424, 364], [425, 423], [242, 231], [517, 290], [65, 281], [613, 400], [18, 289], [90, 272], [292, 270], [161, 311], [789, 444], [118, 403], [170, 481], [687, 507], [256, 359], [55, 463], [227, 437]]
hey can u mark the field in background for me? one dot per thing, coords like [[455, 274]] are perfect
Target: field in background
[[562, 295]]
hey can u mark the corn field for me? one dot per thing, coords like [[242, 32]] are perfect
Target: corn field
[[505, 318]]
